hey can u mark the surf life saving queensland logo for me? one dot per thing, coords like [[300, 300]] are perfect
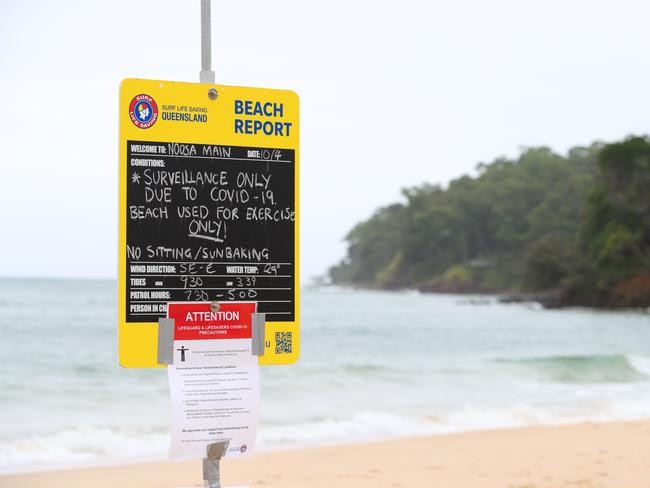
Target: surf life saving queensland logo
[[143, 111]]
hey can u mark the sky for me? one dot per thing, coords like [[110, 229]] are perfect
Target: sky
[[393, 94]]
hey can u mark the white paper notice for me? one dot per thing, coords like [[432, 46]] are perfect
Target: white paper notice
[[214, 381]]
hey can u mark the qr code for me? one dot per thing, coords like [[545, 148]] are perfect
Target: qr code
[[283, 343]]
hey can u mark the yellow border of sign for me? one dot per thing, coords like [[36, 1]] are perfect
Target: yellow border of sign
[[138, 342]]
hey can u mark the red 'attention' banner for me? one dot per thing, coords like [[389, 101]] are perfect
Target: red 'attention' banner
[[197, 321]]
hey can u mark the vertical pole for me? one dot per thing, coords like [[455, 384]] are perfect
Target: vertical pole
[[207, 75], [214, 452]]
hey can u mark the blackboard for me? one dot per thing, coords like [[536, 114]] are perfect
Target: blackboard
[[209, 223]]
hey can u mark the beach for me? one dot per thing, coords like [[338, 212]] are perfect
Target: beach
[[587, 455], [374, 366]]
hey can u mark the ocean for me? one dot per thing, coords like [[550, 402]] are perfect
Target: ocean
[[374, 365]]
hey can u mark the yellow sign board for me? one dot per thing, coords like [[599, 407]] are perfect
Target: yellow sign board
[[208, 209]]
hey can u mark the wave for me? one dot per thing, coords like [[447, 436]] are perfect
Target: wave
[[640, 363], [83, 445], [363, 426], [618, 368], [101, 445], [376, 425]]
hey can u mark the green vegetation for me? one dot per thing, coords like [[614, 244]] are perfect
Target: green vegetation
[[576, 227]]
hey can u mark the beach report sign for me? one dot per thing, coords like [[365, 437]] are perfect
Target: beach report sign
[[208, 209]]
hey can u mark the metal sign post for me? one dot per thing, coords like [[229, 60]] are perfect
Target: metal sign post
[[215, 451], [207, 75], [211, 475]]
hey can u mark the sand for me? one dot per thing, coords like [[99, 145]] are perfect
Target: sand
[[584, 456]]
